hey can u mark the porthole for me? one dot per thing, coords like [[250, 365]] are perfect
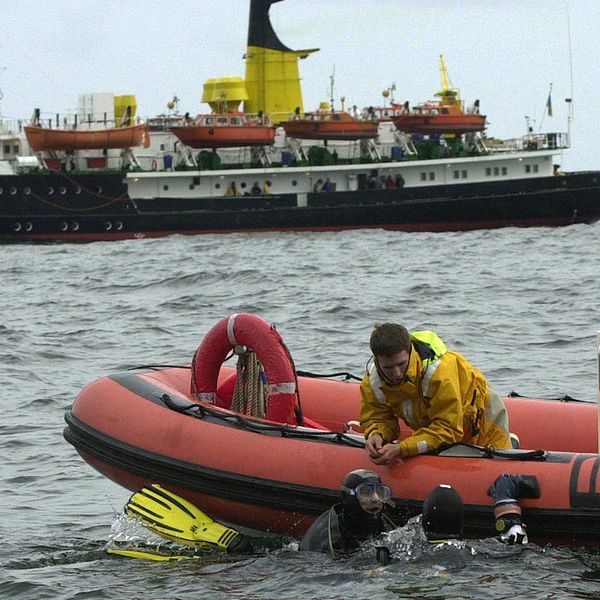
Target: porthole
[[217, 186], [75, 226], [243, 184], [99, 189], [28, 226], [13, 191], [17, 226], [78, 190], [1, 190], [192, 186], [63, 190], [118, 225], [50, 191], [107, 225], [165, 187], [294, 182], [27, 191], [64, 226]]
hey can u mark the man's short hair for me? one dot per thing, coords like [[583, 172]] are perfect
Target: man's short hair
[[388, 339]]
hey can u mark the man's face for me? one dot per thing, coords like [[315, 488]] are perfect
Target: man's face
[[394, 367]]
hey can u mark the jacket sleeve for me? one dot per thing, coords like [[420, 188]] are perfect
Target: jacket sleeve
[[444, 413], [376, 417]]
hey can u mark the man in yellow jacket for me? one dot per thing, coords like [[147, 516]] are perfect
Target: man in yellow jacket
[[438, 393]]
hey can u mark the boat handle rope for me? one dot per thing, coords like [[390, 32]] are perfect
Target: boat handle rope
[[491, 452], [199, 412]]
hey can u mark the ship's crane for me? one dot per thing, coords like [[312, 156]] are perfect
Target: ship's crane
[[448, 94]]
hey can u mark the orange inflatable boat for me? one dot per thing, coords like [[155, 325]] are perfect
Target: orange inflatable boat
[[176, 426]]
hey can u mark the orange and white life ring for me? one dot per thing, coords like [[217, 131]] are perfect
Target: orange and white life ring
[[247, 330]]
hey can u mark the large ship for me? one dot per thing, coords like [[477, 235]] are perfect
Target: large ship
[[406, 171]]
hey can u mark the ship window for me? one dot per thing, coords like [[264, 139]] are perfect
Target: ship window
[[456, 174], [6, 149], [165, 187], [236, 121], [16, 149], [13, 191], [504, 171], [1, 191], [63, 190], [294, 182], [431, 175], [527, 168], [50, 191], [536, 168], [208, 121], [496, 170], [488, 171], [222, 121], [27, 191], [464, 174], [192, 186], [78, 190], [423, 176], [217, 186]]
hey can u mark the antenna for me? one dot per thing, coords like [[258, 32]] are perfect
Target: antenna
[[332, 80], [569, 101]]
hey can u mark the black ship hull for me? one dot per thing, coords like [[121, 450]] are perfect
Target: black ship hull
[[58, 207]]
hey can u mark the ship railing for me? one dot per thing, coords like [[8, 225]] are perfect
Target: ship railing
[[529, 142], [9, 126], [78, 121]]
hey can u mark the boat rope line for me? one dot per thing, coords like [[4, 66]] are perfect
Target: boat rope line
[[347, 376], [76, 184], [181, 404], [565, 398], [464, 450], [201, 412], [80, 210], [344, 374]]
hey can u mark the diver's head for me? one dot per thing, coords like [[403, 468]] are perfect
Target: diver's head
[[362, 491], [443, 514]]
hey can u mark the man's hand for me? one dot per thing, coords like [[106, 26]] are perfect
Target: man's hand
[[380, 453], [374, 445]]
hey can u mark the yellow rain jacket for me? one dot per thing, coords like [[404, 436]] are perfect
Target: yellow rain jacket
[[443, 399]]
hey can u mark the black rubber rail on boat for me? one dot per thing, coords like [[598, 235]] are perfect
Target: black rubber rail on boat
[[565, 398], [345, 374]]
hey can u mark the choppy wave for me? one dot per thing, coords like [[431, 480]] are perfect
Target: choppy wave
[[522, 304]]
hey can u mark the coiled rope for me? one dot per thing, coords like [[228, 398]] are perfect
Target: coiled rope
[[250, 393]]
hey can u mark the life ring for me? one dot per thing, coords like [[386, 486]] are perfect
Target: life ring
[[247, 330], [154, 165]]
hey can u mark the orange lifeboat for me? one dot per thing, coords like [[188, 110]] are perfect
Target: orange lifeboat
[[42, 139], [225, 130], [330, 125], [437, 118]]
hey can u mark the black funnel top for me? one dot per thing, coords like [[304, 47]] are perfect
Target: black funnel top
[[260, 30]]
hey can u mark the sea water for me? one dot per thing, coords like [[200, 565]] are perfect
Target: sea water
[[521, 304]]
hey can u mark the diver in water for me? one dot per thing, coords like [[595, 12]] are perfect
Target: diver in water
[[359, 516]]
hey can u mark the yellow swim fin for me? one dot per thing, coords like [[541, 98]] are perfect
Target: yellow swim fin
[[178, 520], [149, 554]]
